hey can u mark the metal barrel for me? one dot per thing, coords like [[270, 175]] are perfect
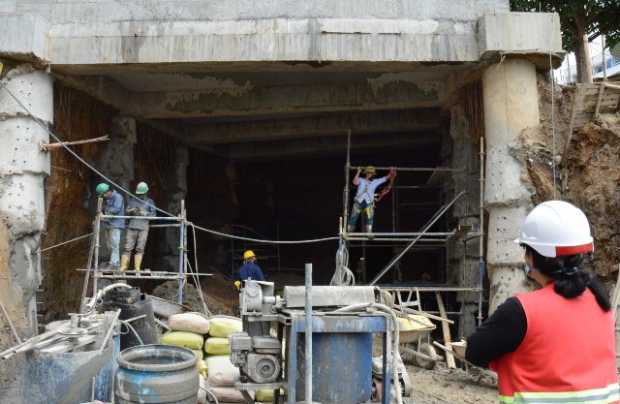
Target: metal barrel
[[156, 374]]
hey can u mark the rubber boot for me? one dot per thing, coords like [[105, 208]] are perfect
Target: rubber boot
[[124, 262], [369, 231], [137, 262]]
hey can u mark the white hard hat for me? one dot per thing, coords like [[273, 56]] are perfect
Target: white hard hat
[[556, 228]]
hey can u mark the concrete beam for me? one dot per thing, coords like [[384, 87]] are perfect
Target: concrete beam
[[312, 98], [324, 146], [316, 125]]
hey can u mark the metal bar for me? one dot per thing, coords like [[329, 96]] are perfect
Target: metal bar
[[97, 241], [412, 169], [108, 334], [181, 250], [58, 145], [481, 269], [405, 234], [163, 225], [387, 362], [308, 335], [430, 224], [292, 370], [347, 179], [439, 242], [89, 263]]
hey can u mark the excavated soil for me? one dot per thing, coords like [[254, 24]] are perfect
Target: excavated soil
[[446, 386], [590, 172]]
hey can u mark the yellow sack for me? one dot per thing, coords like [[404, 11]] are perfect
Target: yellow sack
[[217, 346], [264, 396], [224, 326], [199, 355], [202, 368], [183, 339], [415, 323]]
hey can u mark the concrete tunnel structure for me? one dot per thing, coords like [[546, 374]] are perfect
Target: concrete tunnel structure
[[270, 80]]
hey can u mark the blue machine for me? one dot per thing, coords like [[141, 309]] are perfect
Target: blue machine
[[342, 358]]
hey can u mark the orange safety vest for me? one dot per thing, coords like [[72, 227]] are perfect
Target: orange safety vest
[[567, 356]]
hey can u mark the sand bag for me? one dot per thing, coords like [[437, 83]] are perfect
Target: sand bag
[[224, 326], [228, 394], [183, 339], [191, 322], [217, 346], [264, 396], [221, 372]]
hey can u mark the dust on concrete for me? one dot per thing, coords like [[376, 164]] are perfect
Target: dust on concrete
[[448, 386]]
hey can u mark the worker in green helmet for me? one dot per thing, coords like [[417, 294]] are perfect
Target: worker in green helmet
[[137, 229], [114, 204]]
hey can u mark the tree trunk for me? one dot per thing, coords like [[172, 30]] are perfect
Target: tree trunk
[[582, 50]]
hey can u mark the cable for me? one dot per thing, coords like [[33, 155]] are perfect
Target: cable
[[211, 394], [256, 240], [552, 77], [39, 251], [129, 193], [343, 276]]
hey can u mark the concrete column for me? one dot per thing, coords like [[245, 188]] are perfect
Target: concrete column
[[23, 168], [510, 106], [117, 159], [176, 190]]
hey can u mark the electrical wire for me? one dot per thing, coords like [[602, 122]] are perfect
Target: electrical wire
[[261, 241], [343, 276]]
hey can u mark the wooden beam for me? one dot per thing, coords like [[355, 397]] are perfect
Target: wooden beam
[[55, 146]]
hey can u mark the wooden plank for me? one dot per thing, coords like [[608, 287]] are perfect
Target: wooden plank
[[447, 338]]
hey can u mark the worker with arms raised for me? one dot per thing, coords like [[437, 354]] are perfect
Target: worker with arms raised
[[364, 200], [114, 204], [137, 229], [556, 344], [249, 269]]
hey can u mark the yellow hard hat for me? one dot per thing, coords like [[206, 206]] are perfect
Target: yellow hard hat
[[249, 254], [237, 284], [370, 170]]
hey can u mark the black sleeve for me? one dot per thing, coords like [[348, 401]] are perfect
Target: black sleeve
[[501, 333]]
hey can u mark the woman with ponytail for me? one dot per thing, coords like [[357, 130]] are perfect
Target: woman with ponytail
[[556, 344]]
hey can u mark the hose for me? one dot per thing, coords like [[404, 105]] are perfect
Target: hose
[[343, 276]]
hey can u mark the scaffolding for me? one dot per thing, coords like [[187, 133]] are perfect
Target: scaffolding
[[423, 239], [94, 272]]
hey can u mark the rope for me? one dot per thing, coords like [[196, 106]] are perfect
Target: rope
[[39, 251], [130, 194], [74, 154], [552, 77]]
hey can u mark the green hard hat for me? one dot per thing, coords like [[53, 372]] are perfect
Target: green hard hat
[[142, 188], [102, 188]]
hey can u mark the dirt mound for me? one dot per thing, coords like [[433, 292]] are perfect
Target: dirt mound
[[591, 172]]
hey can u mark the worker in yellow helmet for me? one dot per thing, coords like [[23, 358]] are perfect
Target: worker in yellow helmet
[[249, 269]]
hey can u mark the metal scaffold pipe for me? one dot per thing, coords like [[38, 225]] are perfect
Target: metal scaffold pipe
[[413, 169]]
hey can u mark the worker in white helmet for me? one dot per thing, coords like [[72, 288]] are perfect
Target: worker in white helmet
[[556, 344]]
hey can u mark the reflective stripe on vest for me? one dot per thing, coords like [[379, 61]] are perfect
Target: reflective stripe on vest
[[606, 395]]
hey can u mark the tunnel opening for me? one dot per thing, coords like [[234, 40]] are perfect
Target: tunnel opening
[[300, 196]]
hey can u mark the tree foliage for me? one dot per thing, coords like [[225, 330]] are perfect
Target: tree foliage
[[601, 17]]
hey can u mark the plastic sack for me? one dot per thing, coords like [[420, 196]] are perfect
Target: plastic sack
[[191, 322], [183, 339], [221, 372], [415, 323], [264, 396], [224, 326], [217, 346], [227, 394]]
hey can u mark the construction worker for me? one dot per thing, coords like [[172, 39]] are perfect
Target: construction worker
[[249, 269], [556, 344], [364, 200], [137, 229], [114, 204]]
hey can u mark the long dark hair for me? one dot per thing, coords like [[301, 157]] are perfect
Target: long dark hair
[[569, 279]]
